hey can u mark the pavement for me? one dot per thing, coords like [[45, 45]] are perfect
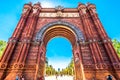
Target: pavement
[[59, 78]]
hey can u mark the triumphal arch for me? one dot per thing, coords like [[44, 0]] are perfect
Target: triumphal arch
[[93, 53]]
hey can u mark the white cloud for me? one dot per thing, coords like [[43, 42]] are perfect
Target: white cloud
[[59, 62], [47, 4]]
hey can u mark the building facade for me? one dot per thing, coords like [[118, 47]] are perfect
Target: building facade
[[93, 53]]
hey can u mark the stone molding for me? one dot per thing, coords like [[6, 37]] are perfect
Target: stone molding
[[79, 35], [59, 14]]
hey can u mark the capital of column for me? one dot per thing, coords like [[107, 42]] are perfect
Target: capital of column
[[37, 5], [106, 40], [82, 8], [26, 40], [94, 40], [91, 7], [12, 40], [27, 7], [37, 42], [81, 42], [36, 8]]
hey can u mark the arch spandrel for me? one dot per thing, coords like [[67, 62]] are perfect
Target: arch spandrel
[[76, 30]]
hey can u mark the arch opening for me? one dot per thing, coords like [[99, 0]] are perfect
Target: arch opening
[[63, 29], [59, 30], [59, 55]]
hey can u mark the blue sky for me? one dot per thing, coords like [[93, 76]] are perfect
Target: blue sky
[[59, 52], [108, 11]]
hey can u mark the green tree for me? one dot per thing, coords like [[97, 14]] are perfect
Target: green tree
[[116, 45], [2, 46], [69, 70], [50, 70]]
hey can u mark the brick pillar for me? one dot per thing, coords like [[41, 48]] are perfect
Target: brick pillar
[[93, 40], [102, 32], [106, 41], [25, 44], [79, 70], [13, 40], [38, 61], [32, 21], [40, 67], [93, 46], [17, 32]]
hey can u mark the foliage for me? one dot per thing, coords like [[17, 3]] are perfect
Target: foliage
[[116, 45], [2, 46], [69, 70], [50, 70]]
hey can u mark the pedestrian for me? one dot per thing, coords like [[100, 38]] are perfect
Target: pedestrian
[[109, 77], [22, 77], [41, 78], [17, 77], [56, 77]]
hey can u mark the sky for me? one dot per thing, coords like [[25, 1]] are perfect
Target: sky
[[59, 52], [108, 11]]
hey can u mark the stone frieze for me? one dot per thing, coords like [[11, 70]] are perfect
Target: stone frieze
[[59, 14]]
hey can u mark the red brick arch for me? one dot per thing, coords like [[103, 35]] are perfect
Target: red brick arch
[[93, 51], [67, 32], [60, 28]]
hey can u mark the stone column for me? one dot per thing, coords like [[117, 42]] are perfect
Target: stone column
[[31, 25], [103, 34], [106, 40], [38, 59], [40, 67], [93, 46], [25, 43], [14, 39], [79, 70]]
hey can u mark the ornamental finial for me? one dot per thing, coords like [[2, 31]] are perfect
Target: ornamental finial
[[59, 8]]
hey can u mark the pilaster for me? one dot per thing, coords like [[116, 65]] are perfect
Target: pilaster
[[14, 39], [103, 34], [90, 36], [21, 24], [79, 69], [29, 33], [105, 39]]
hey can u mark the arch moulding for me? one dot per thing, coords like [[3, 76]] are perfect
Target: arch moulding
[[76, 30]]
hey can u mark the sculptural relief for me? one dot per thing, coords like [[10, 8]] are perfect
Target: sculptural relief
[[59, 14]]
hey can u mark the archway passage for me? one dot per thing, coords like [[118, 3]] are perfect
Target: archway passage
[[63, 31], [59, 62], [59, 30]]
